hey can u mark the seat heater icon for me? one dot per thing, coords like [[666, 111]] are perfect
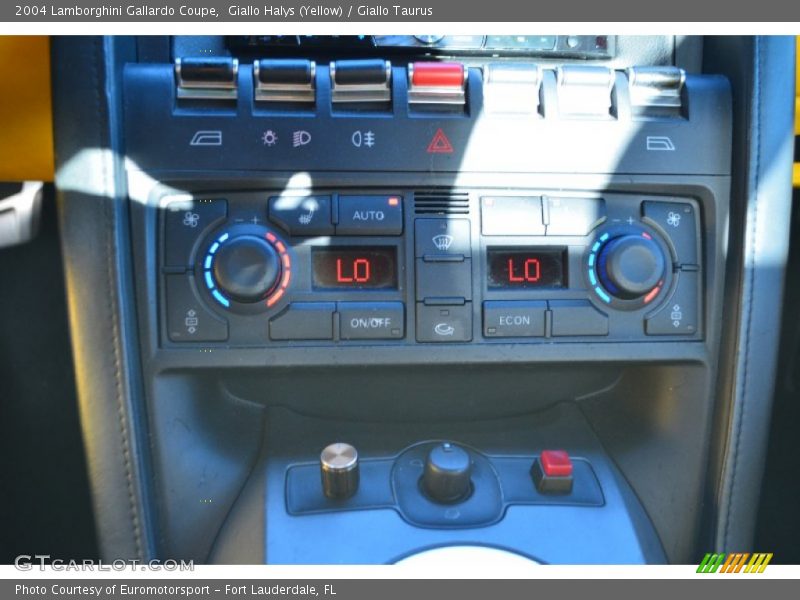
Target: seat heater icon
[[310, 207], [442, 242]]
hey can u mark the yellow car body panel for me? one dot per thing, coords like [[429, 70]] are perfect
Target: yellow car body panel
[[26, 114], [796, 173]]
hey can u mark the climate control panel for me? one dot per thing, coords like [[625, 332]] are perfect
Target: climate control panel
[[406, 266]]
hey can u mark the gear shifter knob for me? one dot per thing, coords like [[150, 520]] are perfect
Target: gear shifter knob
[[339, 469]]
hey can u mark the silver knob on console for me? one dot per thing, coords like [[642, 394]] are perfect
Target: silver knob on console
[[339, 468]]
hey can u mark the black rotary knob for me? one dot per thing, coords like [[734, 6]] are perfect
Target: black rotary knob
[[247, 268], [630, 266], [446, 478]]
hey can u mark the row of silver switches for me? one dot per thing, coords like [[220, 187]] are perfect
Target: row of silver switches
[[583, 91]]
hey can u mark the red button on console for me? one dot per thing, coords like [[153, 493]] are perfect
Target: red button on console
[[438, 74], [555, 463]]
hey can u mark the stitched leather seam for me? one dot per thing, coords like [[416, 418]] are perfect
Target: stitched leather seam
[[113, 306], [751, 276]]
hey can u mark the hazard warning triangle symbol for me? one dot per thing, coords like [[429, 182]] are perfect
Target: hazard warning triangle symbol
[[440, 144]]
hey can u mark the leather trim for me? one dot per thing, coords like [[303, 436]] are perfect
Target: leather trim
[[763, 165], [93, 217]]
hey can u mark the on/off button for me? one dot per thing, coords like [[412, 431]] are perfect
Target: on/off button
[[370, 215], [371, 320]]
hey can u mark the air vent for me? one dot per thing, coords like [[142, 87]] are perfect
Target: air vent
[[441, 203]]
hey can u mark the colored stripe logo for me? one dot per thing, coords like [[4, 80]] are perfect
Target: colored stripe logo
[[736, 562]]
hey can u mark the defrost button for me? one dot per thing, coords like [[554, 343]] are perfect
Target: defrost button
[[442, 238]]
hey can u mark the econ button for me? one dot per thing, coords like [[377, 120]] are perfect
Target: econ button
[[370, 215], [371, 320], [503, 319]]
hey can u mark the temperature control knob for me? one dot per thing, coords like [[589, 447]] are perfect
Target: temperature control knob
[[247, 268], [446, 478], [630, 266]]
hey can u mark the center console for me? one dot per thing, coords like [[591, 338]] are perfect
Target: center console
[[426, 291]]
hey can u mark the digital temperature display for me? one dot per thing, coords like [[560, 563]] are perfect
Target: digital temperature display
[[525, 268], [355, 268]]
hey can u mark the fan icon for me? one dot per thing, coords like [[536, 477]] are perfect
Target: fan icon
[[442, 242], [673, 219], [269, 138]]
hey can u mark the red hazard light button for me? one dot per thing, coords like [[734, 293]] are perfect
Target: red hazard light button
[[437, 84], [552, 472], [436, 74]]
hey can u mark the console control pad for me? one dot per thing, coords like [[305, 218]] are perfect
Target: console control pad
[[395, 267], [496, 483]]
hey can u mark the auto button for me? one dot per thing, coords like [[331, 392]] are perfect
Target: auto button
[[370, 215]]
